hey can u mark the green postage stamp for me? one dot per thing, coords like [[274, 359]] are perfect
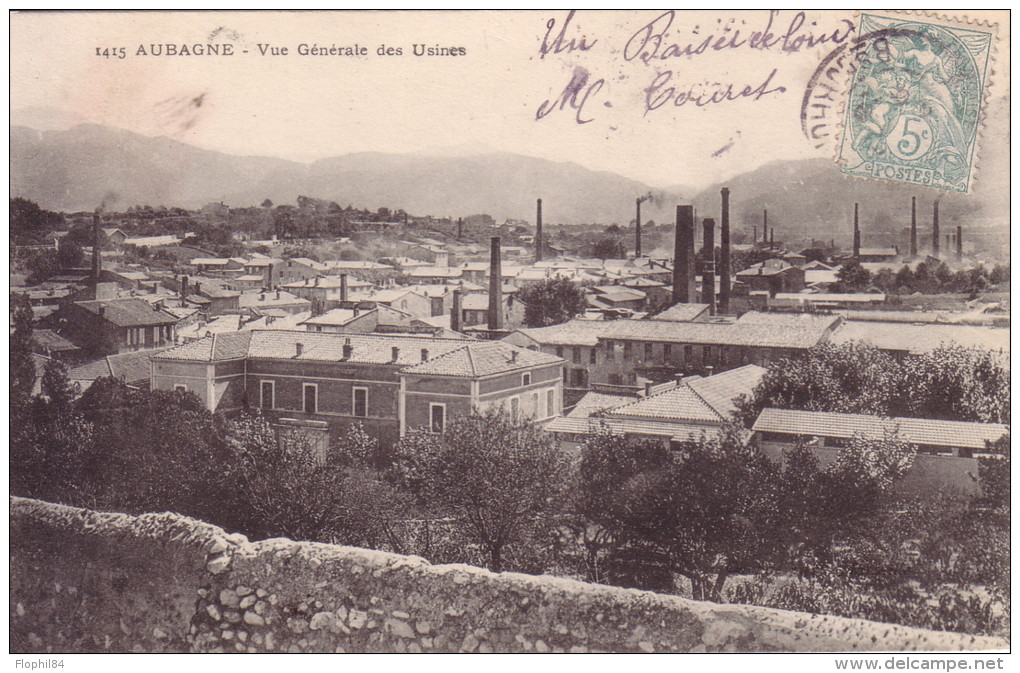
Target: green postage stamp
[[915, 102]]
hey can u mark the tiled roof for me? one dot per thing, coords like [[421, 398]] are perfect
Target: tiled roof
[[128, 312], [730, 334], [680, 403], [909, 338], [570, 333], [924, 431], [365, 348], [583, 426], [212, 348], [722, 390], [482, 359], [49, 340], [328, 282], [681, 312], [789, 320], [769, 267], [337, 316], [593, 403], [260, 299], [131, 367]]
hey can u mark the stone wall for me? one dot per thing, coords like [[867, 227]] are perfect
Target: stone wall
[[84, 581]]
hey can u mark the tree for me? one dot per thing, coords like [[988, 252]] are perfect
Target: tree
[[608, 248], [498, 477], [69, 255], [22, 373], [551, 302], [286, 492], [853, 277]]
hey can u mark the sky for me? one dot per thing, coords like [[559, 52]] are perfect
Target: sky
[[503, 93]]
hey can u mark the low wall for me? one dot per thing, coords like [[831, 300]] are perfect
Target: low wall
[[84, 581]]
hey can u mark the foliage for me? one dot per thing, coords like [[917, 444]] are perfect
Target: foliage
[[22, 372], [498, 477], [551, 302], [28, 222], [285, 491], [852, 277], [949, 382], [994, 473], [608, 248]]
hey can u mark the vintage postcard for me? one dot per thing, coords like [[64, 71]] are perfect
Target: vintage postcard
[[553, 331]]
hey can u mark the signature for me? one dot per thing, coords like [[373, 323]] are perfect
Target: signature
[[652, 42]]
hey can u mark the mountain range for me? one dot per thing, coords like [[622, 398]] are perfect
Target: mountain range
[[78, 168]]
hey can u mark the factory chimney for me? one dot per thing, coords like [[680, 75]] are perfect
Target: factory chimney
[[708, 265], [637, 230], [683, 256], [755, 239], [455, 312], [724, 253], [460, 227], [772, 238], [935, 231], [959, 243], [765, 227], [96, 247], [913, 226], [495, 286], [857, 233], [343, 287], [539, 243]]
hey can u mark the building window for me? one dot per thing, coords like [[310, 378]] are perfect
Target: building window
[[648, 351], [550, 402], [180, 389], [706, 354], [534, 405], [311, 398], [515, 406], [266, 394], [361, 402], [559, 351], [591, 356], [688, 353], [577, 354], [626, 350], [667, 352], [526, 380], [609, 350], [437, 417], [566, 376], [579, 378]]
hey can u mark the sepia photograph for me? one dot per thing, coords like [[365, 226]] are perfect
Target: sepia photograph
[[506, 332]]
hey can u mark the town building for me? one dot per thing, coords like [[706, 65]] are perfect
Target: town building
[[945, 463], [390, 384], [676, 411], [117, 325], [772, 276]]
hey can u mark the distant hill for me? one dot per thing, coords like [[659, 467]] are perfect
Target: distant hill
[[811, 198], [78, 168]]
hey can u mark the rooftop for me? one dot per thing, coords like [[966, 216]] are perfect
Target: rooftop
[[922, 431], [898, 336], [132, 367], [482, 358], [778, 334], [681, 312], [570, 333], [128, 312]]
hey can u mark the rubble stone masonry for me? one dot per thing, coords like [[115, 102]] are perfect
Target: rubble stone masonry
[[84, 581]]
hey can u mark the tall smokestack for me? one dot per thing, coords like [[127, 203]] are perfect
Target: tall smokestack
[[755, 239], [455, 312], [539, 243], [683, 256], [772, 237], [913, 226], [495, 286], [343, 287], [935, 231], [765, 226], [708, 267], [857, 233], [96, 247], [959, 243], [460, 227], [184, 287], [637, 231], [724, 253]]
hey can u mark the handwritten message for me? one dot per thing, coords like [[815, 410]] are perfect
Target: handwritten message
[[665, 54]]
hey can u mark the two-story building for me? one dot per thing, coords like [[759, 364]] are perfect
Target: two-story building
[[388, 383], [107, 326]]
